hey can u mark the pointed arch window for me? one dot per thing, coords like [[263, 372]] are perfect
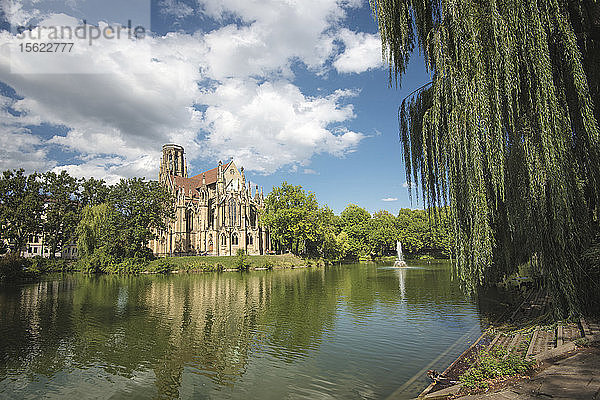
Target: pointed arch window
[[223, 240], [189, 216], [233, 214], [234, 239]]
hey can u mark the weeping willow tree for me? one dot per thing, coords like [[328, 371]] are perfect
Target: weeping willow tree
[[506, 133]]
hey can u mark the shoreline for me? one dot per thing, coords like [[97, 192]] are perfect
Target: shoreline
[[523, 344]]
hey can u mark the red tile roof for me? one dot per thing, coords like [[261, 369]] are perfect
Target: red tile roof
[[190, 185]]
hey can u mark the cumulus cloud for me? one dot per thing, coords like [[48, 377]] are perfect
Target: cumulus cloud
[[19, 148], [362, 52], [228, 92], [268, 125], [274, 35], [390, 199], [178, 9]]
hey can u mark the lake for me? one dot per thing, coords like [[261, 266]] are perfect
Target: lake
[[349, 331]]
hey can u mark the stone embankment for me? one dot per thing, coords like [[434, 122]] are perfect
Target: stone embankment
[[556, 349]]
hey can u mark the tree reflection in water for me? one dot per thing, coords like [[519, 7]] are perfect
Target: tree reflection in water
[[188, 335]]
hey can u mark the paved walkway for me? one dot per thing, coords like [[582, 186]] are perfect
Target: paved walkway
[[575, 377]]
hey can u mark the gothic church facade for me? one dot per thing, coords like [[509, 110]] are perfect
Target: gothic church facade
[[216, 211]]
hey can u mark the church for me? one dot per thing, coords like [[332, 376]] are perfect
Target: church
[[216, 211]]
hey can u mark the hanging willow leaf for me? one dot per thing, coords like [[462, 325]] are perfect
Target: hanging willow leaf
[[507, 134]]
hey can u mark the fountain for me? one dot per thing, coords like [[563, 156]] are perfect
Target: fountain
[[400, 260]]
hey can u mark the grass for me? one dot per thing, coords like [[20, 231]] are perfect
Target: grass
[[215, 263], [492, 365]]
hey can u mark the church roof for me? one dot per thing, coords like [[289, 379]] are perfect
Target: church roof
[[190, 185], [210, 175]]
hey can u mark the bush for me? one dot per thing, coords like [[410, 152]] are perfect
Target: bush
[[44, 265], [268, 265], [98, 261], [164, 266], [129, 266], [492, 365], [241, 260], [14, 268]]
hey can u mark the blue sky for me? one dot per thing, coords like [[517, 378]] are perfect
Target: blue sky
[[293, 90]]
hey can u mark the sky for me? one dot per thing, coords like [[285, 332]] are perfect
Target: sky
[[293, 90]]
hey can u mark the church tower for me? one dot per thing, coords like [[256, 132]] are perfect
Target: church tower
[[172, 162]]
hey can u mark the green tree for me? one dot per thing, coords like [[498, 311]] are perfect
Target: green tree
[[144, 208], [21, 206], [425, 232], [97, 228], [507, 131], [355, 221], [292, 216], [62, 210], [383, 233], [93, 192], [413, 230], [97, 235], [123, 226]]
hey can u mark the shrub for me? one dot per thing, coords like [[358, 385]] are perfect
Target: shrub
[[164, 266], [490, 365], [132, 265], [268, 265], [14, 268], [98, 261], [195, 265], [218, 267], [241, 260], [44, 265]]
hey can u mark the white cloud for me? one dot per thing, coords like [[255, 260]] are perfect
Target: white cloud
[[112, 169], [275, 34], [130, 110], [150, 92], [310, 171], [176, 8], [15, 12], [390, 199], [362, 52], [269, 125], [21, 149]]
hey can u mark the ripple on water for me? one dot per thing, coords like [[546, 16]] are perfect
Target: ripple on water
[[339, 332]]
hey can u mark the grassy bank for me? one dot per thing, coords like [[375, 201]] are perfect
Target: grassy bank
[[216, 263], [19, 269]]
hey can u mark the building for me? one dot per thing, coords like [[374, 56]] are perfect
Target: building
[[216, 211], [36, 247]]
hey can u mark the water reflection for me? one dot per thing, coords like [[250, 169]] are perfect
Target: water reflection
[[345, 331]]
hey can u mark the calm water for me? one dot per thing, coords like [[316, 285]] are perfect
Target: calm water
[[352, 331]]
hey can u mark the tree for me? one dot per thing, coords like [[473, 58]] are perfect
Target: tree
[[506, 133], [355, 220], [93, 192], [292, 216], [122, 227], [21, 206], [62, 210], [143, 208], [383, 233], [96, 236]]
